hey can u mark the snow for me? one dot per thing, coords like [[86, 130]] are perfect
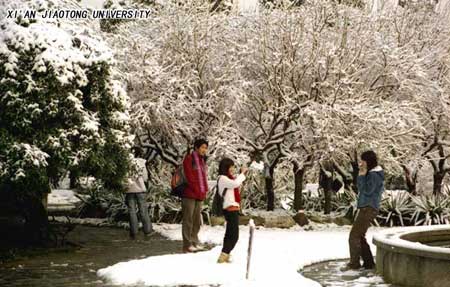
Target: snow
[[258, 166], [62, 197], [97, 4], [248, 6], [275, 252]]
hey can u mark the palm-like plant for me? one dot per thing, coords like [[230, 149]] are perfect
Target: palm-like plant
[[430, 209], [347, 204], [395, 209]]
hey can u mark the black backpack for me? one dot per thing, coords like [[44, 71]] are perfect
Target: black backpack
[[217, 204]]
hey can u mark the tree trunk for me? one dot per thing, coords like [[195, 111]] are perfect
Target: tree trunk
[[36, 220], [355, 173], [326, 182], [327, 207], [410, 180], [74, 182], [299, 174], [438, 178], [269, 190]]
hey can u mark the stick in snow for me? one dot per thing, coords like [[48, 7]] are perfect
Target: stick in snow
[[250, 243]]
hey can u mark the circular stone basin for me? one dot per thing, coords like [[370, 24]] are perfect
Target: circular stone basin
[[414, 256]]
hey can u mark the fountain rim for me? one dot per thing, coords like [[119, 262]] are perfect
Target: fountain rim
[[397, 240]]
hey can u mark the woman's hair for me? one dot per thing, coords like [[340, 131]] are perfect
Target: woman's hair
[[199, 142], [371, 158], [224, 166]]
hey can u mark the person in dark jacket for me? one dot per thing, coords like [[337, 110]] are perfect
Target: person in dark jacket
[[195, 170], [370, 188]]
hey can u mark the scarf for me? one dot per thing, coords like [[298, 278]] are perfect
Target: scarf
[[201, 172], [237, 193]]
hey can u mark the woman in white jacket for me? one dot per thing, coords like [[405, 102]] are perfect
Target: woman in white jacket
[[228, 187]]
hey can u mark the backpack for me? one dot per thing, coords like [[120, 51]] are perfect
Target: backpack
[[217, 204], [178, 182]]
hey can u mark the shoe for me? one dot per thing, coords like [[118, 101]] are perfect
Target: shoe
[[199, 247], [369, 266], [223, 258], [132, 236], [148, 236], [350, 266], [189, 249]]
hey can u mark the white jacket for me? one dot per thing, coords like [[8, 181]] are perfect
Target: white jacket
[[229, 184], [136, 183]]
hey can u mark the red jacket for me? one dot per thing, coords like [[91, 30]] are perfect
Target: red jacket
[[193, 189]]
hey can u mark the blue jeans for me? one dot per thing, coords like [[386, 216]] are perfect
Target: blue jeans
[[134, 200]]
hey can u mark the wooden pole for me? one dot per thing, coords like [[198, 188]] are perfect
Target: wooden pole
[[251, 225]]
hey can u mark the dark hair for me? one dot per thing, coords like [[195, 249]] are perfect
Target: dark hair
[[371, 158], [224, 166], [199, 142]]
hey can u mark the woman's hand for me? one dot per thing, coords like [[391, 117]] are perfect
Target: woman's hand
[[244, 169], [362, 169]]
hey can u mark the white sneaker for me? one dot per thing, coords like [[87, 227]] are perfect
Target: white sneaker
[[199, 247]]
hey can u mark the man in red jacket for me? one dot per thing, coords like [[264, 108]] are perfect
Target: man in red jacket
[[195, 170]]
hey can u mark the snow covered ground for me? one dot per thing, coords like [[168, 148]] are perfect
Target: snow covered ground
[[62, 197], [277, 256]]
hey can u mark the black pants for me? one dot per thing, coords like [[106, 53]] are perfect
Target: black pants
[[232, 231]]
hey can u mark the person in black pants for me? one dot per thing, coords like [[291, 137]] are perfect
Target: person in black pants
[[228, 187], [370, 190]]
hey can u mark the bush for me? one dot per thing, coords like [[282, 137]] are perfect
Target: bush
[[430, 209], [346, 203], [395, 209], [61, 110]]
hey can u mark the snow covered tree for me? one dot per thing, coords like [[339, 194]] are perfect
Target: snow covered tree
[[60, 111], [179, 76]]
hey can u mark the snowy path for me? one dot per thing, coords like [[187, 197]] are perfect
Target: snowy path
[[277, 257]]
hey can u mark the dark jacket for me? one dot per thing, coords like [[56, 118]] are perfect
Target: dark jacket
[[193, 181], [370, 188]]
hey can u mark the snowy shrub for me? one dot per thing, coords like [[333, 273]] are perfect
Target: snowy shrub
[[162, 206], [93, 201], [98, 202], [395, 209], [60, 108], [430, 209], [346, 203]]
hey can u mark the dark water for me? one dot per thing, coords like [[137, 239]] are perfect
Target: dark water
[[329, 274], [101, 247]]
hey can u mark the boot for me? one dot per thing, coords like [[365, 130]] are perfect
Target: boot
[[223, 258]]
